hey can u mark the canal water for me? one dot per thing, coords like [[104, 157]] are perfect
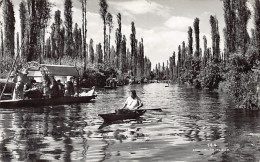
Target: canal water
[[193, 126]]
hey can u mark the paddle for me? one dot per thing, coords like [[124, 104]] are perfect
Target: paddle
[[158, 109]]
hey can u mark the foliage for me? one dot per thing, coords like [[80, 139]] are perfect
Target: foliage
[[96, 76], [6, 65], [240, 80], [210, 76], [103, 13], [9, 27], [68, 27]]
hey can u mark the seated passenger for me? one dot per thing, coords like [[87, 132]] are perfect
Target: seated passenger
[[61, 88], [54, 88], [70, 87]]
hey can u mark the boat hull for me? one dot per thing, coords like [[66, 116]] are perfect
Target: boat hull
[[111, 117], [45, 102], [109, 87]]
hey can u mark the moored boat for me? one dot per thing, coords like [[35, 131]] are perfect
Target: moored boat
[[109, 87], [41, 74], [131, 114], [45, 101]]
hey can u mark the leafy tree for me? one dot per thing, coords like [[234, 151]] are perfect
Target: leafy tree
[[43, 9], [91, 52], [113, 56], [205, 56], [122, 62], [197, 36], [103, 13], [243, 15], [118, 40], [2, 42], [109, 21], [56, 35], [215, 38], [257, 26], [77, 41], [9, 27], [22, 13], [68, 27], [84, 30], [133, 44], [230, 26], [99, 54]]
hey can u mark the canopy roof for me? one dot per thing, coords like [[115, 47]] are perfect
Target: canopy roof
[[61, 70], [55, 70]]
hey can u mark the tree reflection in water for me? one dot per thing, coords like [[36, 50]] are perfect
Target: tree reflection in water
[[191, 119]]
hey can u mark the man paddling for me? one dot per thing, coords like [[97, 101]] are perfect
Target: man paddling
[[133, 102]]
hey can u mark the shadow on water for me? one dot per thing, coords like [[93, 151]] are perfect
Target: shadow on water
[[105, 124]]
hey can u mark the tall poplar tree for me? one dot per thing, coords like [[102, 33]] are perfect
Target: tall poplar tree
[[22, 13], [68, 27], [230, 26], [133, 44], [243, 16], [84, 30], [257, 26], [197, 36], [9, 28], [109, 21], [103, 13], [118, 39], [215, 38], [91, 52]]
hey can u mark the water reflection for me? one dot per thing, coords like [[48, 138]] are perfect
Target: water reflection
[[193, 126]]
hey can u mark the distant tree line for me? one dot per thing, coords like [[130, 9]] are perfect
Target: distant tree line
[[235, 69], [66, 42]]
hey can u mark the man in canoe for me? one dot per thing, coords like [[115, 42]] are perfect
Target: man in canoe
[[133, 102]]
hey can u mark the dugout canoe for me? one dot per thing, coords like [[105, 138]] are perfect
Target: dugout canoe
[[45, 101], [111, 117]]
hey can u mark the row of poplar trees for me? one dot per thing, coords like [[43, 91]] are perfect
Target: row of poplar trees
[[235, 69], [67, 40], [191, 60]]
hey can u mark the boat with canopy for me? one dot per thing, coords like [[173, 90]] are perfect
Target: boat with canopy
[[39, 73]]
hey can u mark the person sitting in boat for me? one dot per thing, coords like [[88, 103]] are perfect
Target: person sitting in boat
[[108, 81], [61, 88], [54, 88], [76, 87], [31, 90], [133, 102], [21, 79], [69, 88]]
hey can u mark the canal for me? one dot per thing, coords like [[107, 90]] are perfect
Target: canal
[[193, 126]]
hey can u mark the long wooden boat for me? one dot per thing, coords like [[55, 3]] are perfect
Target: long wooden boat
[[110, 87], [45, 101], [111, 117]]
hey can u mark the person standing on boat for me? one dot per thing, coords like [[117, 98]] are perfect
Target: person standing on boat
[[133, 102], [21, 79]]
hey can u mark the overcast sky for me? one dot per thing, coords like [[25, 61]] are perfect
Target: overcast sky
[[163, 24]]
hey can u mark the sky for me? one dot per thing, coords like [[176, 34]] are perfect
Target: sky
[[163, 24]]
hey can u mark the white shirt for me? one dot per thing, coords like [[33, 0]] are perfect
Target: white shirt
[[132, 103]]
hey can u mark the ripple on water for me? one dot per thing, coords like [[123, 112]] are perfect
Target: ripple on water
[[191, 119]]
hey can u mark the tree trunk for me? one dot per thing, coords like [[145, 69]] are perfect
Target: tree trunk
[[104, 46]]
